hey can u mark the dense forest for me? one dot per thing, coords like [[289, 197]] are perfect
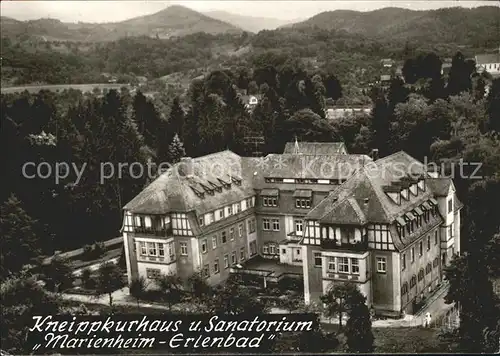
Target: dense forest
[[353, 56]]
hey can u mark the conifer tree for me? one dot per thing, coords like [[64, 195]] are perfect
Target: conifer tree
[[19, 244], [176, 150]]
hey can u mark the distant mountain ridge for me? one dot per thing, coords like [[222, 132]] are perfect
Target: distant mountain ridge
[[249, 23], [446, 24], [173, 21]]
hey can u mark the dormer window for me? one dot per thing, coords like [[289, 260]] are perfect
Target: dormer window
[[450, 205], [236, 180], [198, 193], [404, 194], [207, 189], [214, 186], [270, 197], [225, 184], [303, 198]]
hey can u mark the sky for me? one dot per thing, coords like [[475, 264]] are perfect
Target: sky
[[112, 11]]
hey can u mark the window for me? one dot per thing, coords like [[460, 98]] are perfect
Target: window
[[214, 242], [381, 264], [238, 207], [204, 246], [240, 230], [226, 261], [216, 266], [276, 225], [224, 237], [283, 251], [229, 210], [253, 248], [180, 225], [231, 234], [233, 258], [343, 264], [206, 271], [420, 249], [273, 249], [450, 205], [266, 224], [143, 248], [404, 289], [184, 248], [403, 260], [331, 264], [420, 275], [435, 237], [303, 203], [451, 230], [299, 227], [221, 214], [413, 281], [435, 263], [153, 273], [151, 249], [269, 201], [265, 249], [200, 220], [428, 243], [412, 254], [317, 259], [298, 252], [242, 254], [428, 268], [161, 250], [354, 266], [251, 226]]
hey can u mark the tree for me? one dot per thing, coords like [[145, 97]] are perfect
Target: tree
[[137, 288], [333, 89], [22, 298], [471, 289], [58, 274], [358, 329], [459, 79], [109, 279], [19, 244], [86, 278], [176, 150], [176, 118], [232, 298], [290, 301], [335, 300], [493, 105], [170, 286], [309, 126], [199, 286]]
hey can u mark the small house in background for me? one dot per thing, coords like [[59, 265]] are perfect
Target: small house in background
[[385, 80], [488, 62], [341, 112], [251, 101], [445, 68], [387, 62]]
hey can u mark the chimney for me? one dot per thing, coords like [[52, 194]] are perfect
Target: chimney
[[185, 167], [375, 154]]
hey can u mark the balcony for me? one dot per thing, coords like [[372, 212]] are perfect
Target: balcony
[[329, 244], [148, 231]]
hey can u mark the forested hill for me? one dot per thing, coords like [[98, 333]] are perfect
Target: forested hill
[[477, 26], [172, 22]]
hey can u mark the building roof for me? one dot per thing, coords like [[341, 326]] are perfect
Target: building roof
[[302, 166], [174, 192], [488, 58], [366, 187], [315, 148]]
